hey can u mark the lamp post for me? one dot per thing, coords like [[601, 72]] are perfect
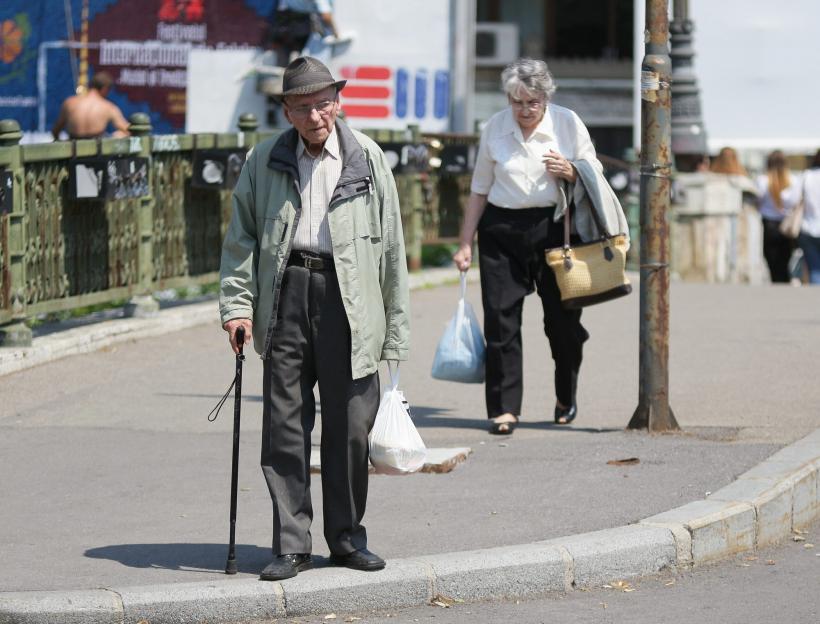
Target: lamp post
[[688, 134], [653, 411]]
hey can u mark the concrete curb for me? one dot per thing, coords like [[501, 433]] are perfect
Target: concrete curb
[[764, 504], [96, 336]]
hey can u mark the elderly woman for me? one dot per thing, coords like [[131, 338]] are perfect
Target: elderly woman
[[526, 151]]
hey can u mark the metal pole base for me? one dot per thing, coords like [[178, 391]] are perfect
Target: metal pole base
[[141, 306], [657, 421], [15, 334], [230, 566]]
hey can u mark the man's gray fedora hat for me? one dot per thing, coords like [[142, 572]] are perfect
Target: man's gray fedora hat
[[306, 75]]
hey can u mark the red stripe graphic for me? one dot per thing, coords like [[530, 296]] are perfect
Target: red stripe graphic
[[366, 92], [366, 111], [366, 72]]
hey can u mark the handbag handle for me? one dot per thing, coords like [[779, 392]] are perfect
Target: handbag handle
[[595, 217], [567, 216]]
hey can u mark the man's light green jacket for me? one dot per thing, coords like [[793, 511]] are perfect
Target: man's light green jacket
[[368, 246]]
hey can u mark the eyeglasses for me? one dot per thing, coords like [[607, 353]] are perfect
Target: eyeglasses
[[530, 104], [323, 108]]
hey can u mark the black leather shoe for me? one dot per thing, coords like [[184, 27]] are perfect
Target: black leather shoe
[[359, 560], [286, 566], [565, 415]]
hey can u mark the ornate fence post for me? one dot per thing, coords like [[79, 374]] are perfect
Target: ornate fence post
[[143, 304], [248, 125], [16, 333]]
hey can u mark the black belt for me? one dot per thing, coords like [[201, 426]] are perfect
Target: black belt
[[311, 261]]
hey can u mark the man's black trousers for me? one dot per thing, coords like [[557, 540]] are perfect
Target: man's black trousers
[[511, 244], [311, 343]]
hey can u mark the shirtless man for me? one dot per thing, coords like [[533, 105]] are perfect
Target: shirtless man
[[87, 116]]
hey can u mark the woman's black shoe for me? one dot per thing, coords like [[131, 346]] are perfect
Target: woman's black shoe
[[565, 415]]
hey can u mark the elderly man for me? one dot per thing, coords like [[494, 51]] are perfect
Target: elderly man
[[313, 267]]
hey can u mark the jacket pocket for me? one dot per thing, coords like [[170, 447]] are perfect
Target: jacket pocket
[[274, 235]]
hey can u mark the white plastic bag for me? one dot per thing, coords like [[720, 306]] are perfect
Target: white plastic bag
[[396, 447], [460, 352]]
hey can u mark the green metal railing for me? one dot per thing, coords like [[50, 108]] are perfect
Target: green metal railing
[[59, 253]]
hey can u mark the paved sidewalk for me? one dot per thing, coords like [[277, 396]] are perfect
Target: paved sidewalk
[[113, 479]]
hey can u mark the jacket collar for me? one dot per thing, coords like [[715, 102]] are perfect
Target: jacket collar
[[354, 163]]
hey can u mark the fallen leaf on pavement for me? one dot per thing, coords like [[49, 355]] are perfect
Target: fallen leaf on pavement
[[445, 602], [352, 618], [330, 616], [770, 562], [624, 462], [622, 585], [808, 545], [799, 532], [670, 583], [752, 558], [798, 538], [603, 604]]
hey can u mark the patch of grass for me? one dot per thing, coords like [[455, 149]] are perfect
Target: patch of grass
[[438, 255]]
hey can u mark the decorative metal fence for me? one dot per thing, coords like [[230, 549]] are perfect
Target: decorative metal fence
[[94, 221]]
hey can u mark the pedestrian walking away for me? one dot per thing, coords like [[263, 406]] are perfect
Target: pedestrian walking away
[[314, 269], [88, 116], [528, 153], [779, 193], [809, 239]]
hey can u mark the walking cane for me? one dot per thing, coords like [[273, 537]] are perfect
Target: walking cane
[[230, 566]]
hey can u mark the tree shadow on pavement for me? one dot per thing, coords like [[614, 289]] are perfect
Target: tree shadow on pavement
[[435, 417]]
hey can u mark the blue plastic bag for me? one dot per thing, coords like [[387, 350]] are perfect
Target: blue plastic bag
[[460, 352]]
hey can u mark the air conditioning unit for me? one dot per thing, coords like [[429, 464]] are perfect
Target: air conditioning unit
[[496, 43]]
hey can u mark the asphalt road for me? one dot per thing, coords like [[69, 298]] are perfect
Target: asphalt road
[[779, 584]]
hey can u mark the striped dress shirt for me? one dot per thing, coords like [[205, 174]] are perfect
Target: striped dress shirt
[[317, 179]]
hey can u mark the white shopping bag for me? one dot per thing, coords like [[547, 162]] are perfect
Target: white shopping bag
[[460, 352], [395, 446]]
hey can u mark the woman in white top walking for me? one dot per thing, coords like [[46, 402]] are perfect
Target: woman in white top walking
[[525, 152], [778, 195], [809, 239]]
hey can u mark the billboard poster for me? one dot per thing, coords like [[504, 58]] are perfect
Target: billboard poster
[[396, 57], [143, 44]]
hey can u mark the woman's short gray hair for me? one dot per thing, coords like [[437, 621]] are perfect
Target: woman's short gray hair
[[531, 74]]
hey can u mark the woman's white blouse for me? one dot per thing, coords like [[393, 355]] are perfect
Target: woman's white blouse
[[510, 170]]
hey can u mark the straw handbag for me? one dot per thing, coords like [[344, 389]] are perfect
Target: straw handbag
[[590, 273]]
